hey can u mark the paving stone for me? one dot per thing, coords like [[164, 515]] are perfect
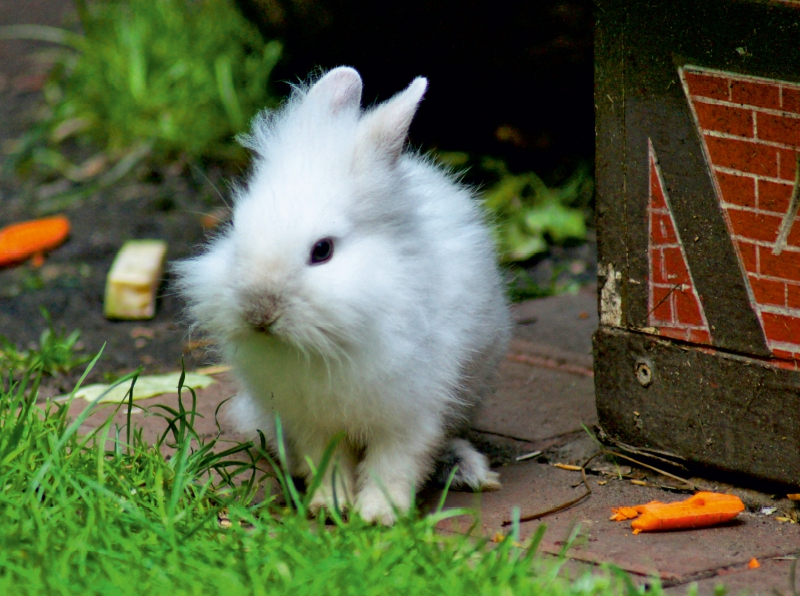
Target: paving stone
[[673, 556], [771, 576], [534, 404], [501, 450], [565, 322]]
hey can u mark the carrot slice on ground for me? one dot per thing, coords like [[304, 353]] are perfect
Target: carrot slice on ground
[[623, 513], [700, 510], [23, 240]]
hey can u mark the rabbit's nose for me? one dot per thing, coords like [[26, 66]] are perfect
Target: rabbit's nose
[[262, 313], [262, 321]]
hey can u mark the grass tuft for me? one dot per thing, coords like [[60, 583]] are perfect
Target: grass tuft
[[54, 355], [166, 80], [108, 513]]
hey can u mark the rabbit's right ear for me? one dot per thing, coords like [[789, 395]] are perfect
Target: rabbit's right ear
[[383, 130], [339, 89]]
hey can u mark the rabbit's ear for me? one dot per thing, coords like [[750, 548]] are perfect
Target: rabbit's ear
[[340, 89], [384, 129]]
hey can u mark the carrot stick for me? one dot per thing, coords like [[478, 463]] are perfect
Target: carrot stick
[[700, 510], [23, 240]]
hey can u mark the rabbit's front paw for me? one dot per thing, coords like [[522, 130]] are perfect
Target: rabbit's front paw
[[373, 507], [330, 497], [324, 499]]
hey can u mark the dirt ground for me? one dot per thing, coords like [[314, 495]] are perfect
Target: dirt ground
[[166, 203]]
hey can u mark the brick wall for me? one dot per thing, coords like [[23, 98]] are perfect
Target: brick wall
[[674, 307], [751, 130]]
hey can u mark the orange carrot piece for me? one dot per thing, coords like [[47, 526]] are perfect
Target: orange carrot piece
[[753, 564], [23, 240], [623, 513], [700, 510]]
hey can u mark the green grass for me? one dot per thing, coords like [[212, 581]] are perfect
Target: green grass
[[108, 513], [165, 80], [55, 354]]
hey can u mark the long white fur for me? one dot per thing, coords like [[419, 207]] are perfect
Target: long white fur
[[397, 337]]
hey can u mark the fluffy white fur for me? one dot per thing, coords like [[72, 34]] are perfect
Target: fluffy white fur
[[395, 339]]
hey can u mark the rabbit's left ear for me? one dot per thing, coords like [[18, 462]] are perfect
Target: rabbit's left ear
[[385, 128], [339, 90]]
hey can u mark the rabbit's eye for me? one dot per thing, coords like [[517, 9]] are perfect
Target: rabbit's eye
[[322, 251]]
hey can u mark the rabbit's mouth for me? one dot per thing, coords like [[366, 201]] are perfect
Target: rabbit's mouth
[[262, 320], [262, 312]]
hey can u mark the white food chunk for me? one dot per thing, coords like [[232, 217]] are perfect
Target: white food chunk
[[133, 280]]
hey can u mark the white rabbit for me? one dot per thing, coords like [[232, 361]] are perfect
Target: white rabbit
[[356, 290]]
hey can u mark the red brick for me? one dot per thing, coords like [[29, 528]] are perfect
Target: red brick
[[767, 291], [744, 156], [663, 312], [662, 231], [791, 99], [792, 296], [784, 354], [762, 95], [674, 332], [734, 121], [783, 266], [773, 196], [788, 167], [779, 129], [657, 263], [754, 225], [675, 267], [794, 235], [656, 192], [699, 336], [687, 310], [788, 364], [739, 190], [781, 328], [747, 255], [706, 85]]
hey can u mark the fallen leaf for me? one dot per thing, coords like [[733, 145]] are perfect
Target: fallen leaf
[[530, 455], [569, 467], [145, 387], [214, 370]]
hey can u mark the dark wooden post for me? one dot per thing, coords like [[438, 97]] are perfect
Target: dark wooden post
[[698, 138]]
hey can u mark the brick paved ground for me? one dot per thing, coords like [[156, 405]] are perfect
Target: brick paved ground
[[545, 399]]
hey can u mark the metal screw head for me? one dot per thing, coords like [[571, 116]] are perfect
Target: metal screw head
[[643, 373]]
